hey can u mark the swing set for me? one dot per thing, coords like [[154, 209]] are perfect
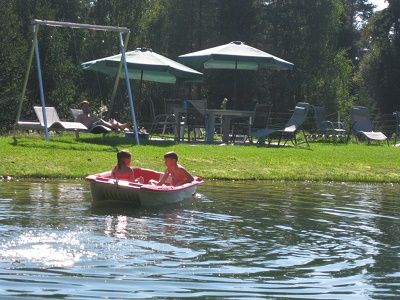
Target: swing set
[[35, 49]]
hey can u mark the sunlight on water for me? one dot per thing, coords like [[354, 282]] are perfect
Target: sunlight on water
[[48, 249], [266, 240]]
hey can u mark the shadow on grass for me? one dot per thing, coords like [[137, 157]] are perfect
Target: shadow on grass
[[67, 141], [113, 142]]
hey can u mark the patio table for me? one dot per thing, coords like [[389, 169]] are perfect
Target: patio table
[[226, 114]]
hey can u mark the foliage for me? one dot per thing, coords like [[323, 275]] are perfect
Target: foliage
[[321, 39], [355, 14], [379, 71]]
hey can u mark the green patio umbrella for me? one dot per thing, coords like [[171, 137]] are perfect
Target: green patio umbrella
[[145, 65], [235, 56]]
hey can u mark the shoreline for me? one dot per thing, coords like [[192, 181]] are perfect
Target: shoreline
[[62, 158]]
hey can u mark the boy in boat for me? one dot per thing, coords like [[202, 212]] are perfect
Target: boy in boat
[[178, 173], [123, 171], [90, 120]]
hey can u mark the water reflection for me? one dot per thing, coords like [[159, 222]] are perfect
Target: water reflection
[[277, 240]]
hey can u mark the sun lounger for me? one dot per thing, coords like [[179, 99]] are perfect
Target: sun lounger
[[361, 125], [53, 121], [291, 128]]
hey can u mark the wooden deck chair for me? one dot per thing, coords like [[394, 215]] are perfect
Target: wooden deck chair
[[361, 125], [98, 129]]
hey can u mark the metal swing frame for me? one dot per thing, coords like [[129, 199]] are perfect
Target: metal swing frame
[[35, 49]]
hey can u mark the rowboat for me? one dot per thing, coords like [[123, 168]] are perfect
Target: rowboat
[[105, 189]]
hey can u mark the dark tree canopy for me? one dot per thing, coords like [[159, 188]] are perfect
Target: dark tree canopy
[[343, 52]]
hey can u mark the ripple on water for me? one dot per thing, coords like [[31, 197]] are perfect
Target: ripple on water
[[261, 240]]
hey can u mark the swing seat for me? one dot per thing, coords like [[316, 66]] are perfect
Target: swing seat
[[98, 129]]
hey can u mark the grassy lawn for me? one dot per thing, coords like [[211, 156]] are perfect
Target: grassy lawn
[[62, 157]]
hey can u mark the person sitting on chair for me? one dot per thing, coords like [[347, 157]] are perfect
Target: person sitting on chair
[[90, 120]]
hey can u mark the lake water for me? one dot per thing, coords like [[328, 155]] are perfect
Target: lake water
[[234, 240]]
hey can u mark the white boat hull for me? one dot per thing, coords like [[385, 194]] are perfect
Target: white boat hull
[[105, 189]]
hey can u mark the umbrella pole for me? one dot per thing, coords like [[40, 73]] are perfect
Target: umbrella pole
[[117, 77], [234, 86], [140, 87]]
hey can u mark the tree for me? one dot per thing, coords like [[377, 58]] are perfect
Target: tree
[[12, 65], [355, 15], [379, 71], [307, 35], [320, 38]]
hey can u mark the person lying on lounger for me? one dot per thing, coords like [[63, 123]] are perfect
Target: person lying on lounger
[[90, 120]]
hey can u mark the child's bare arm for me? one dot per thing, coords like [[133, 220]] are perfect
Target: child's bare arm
[[184, 177], [164, 178]]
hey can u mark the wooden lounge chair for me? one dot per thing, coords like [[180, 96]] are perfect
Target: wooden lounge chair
[[361, 125]]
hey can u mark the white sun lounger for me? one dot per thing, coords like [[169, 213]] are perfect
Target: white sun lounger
[[53, 121], [361, 125], [291, 128]]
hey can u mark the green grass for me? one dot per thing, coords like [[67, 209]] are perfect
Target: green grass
[[63, 157]]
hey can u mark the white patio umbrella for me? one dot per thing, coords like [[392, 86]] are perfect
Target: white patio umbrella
[[145, 65], [235, 56]]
